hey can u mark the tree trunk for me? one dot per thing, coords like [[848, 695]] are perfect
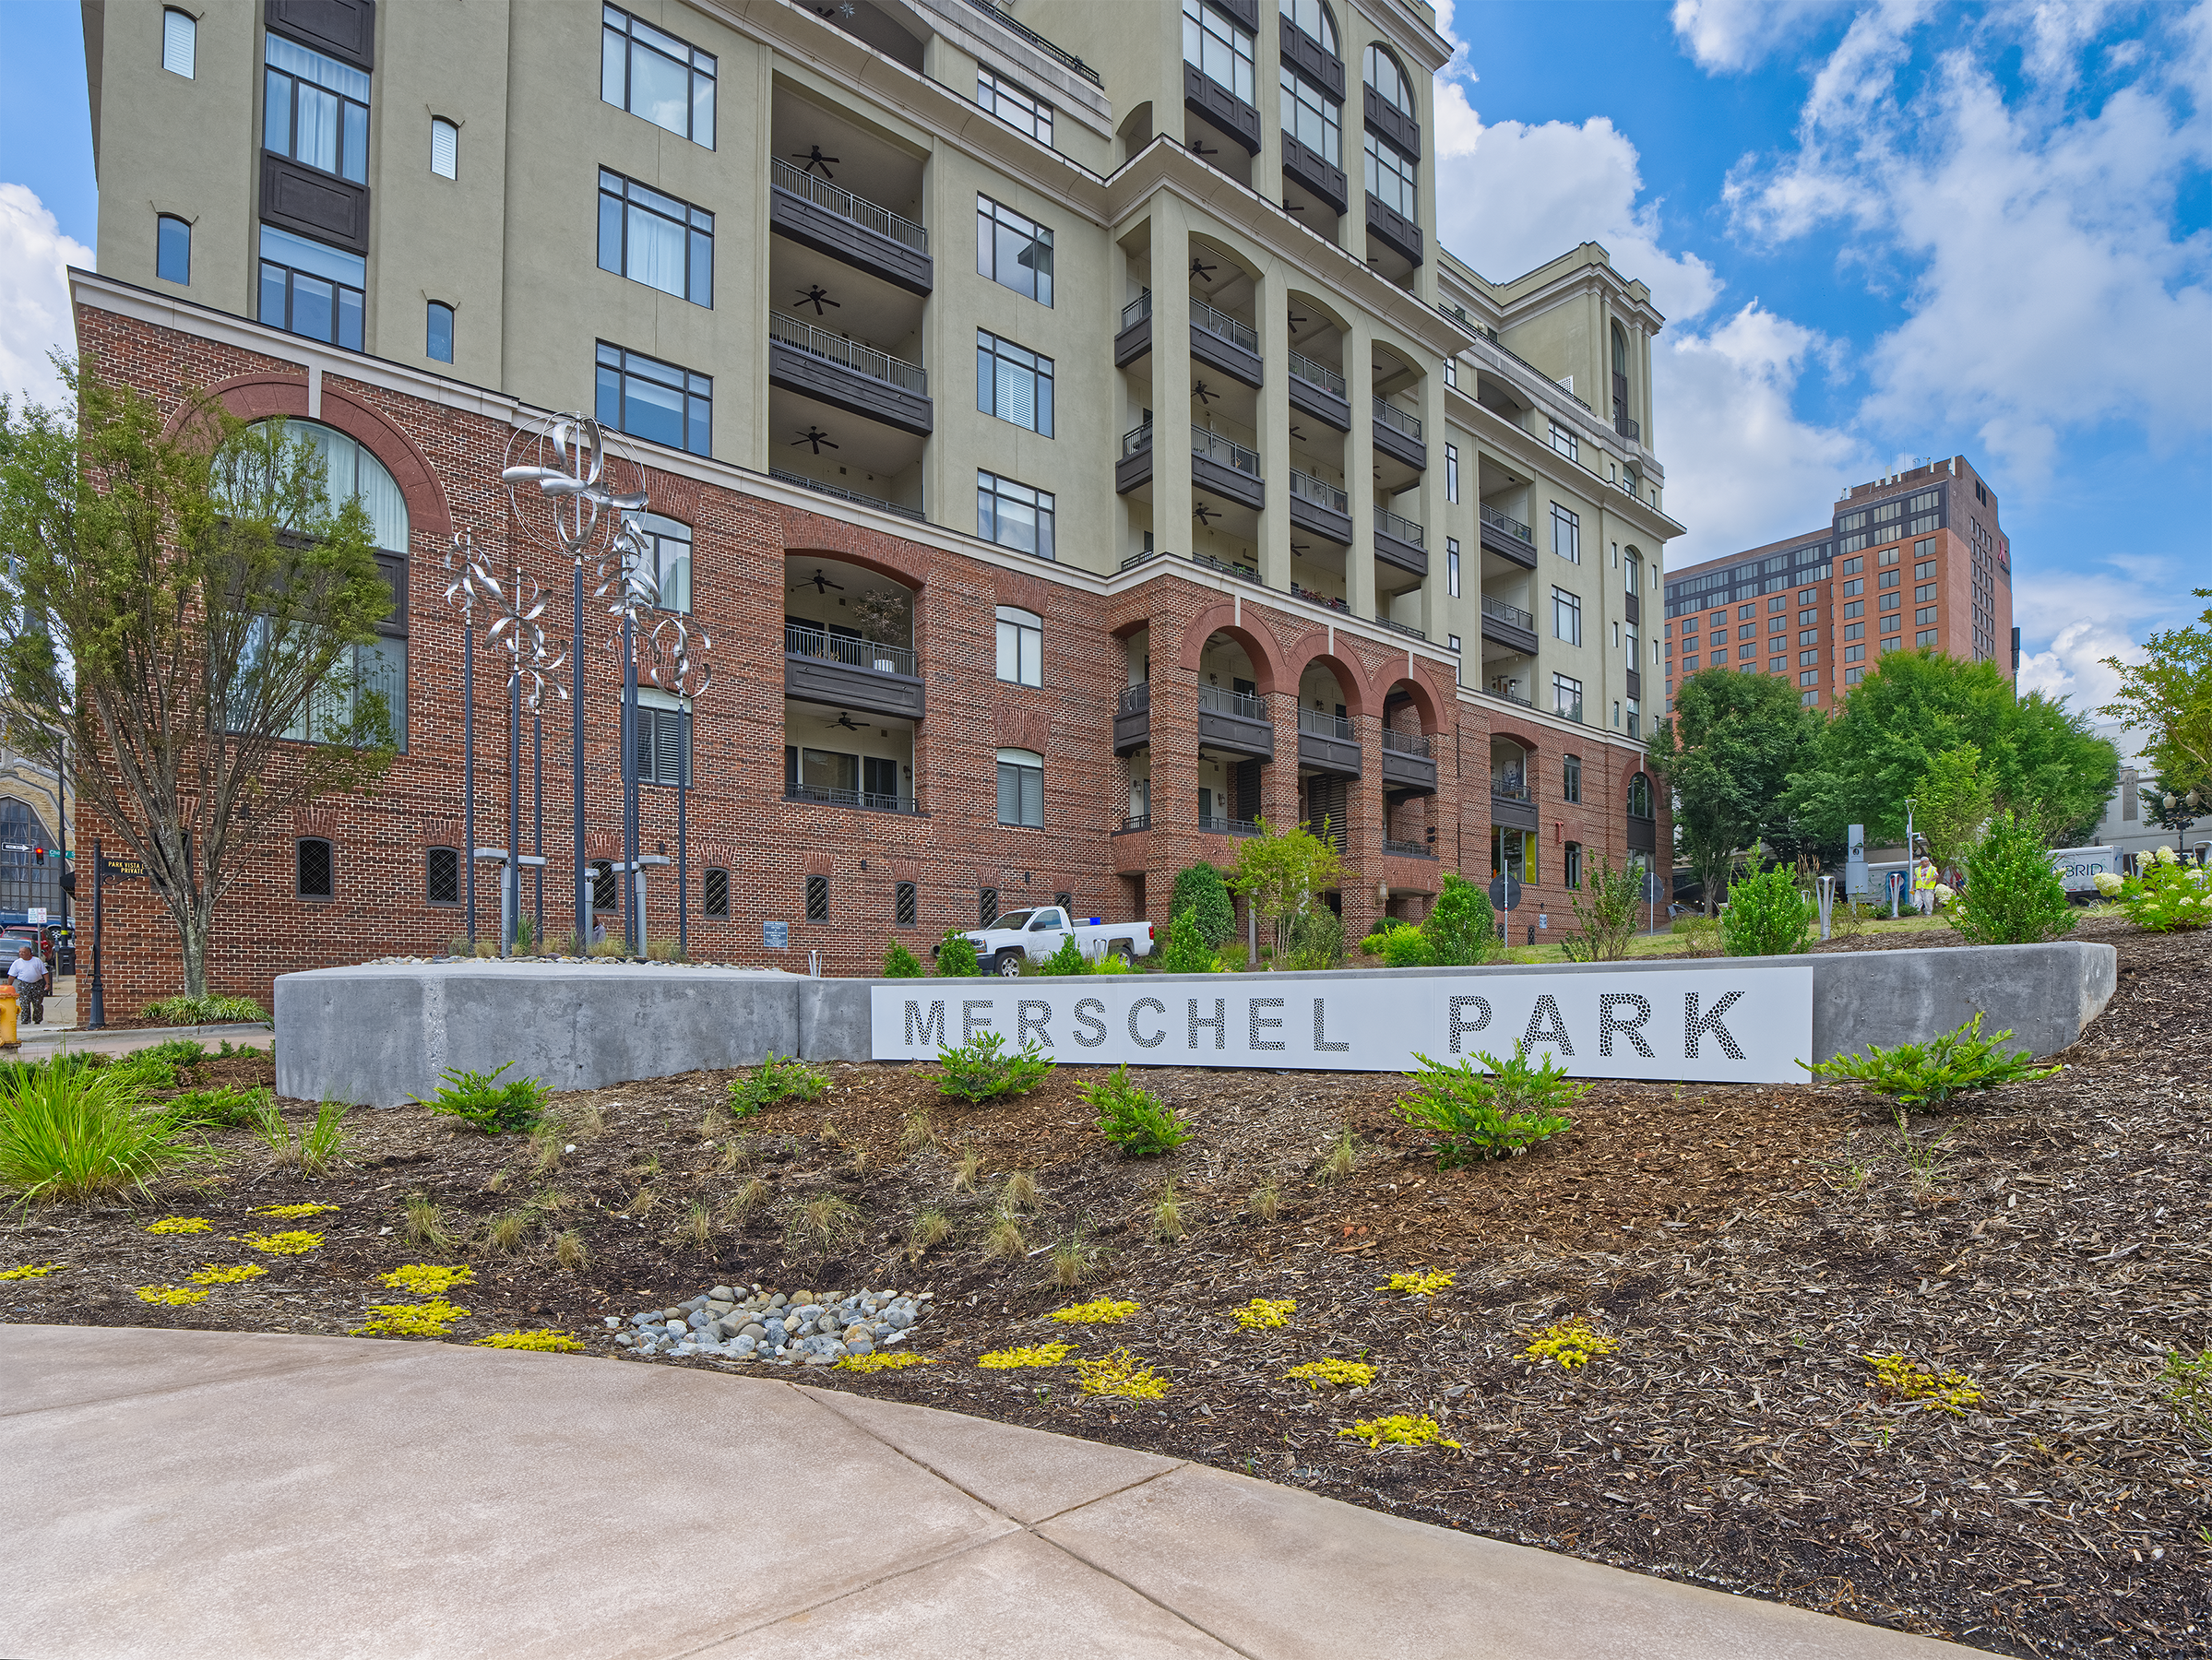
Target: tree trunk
[[193, 932]]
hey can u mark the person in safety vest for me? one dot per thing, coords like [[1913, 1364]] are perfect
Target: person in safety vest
[[1923, 885]]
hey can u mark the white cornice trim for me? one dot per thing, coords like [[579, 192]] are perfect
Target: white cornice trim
[[963, 24], [1538, 717]]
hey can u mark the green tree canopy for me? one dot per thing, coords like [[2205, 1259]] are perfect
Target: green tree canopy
[[1283, 873], [1199, 888], [2168, 696], [1727, 753], [1951, 804]]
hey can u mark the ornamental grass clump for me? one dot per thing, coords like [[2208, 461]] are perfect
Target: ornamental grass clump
[[1120, 1373], [543, 1342], [983, 1069], [1400, 1430], [1133, 1118], [1496, 1112], [1265, 1313], [779, 1078], [482, 1102], [1571, 1343], [1103, 1310], [1922, 1074], [74, 1133], [1343, 1374], [201, 1011], [1038, 1354], [432, 1319], [1908, 1381]]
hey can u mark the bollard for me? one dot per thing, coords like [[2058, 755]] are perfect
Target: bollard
[[8, 1007]]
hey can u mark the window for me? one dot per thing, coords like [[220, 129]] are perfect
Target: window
[[714, 896], [1890, 556], [1572, 864], [817, 898], [1570, 780], [1013, 384], [444, 148], [1852, 544], [1689, 663], [1806, 618], [1890, 579], [655, 239], [314, 861], [1746, 651], [1806, 658], [1220, 49], [986, 908], [1616, 714], [1451, 565], [1630, 652], [1924, 594], [1565, 442], [663, 739], [1891, 624], [1566, 616], [1451, 472], [1634, 717], [317, 110], [1748, 631], [651, 399], [1778, 625], [656, 75], [1926, 637], [903, 909], [179, 35], [1311, 117], [1854, 653], [1017, 106], [1014, 515], [663, 549], [1923, 617], [442, 876], [1780, 602], [1719, 620], [1776, 665], [437, 332], [1020, 647], [1567, 696], [1566, 534], [1851, 677], [1388, 80], [1924, 550], [1020, 787], [307, 289], [605, 895], [1808, 636], [1013, 252], [173, 248], [1924, 572], [1857, 607], [1313, 17], [1891, 602], [1392, 179], [1639, 795]]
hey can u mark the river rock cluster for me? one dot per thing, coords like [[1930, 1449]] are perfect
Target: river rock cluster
[[798, 1328]]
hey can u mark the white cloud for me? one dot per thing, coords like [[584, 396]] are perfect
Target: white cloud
[[34, 294], [1733, 35], [2074, 667]]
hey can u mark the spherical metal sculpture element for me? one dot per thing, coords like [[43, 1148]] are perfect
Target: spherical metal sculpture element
[[677, 662], [515, 604], [569, 482]]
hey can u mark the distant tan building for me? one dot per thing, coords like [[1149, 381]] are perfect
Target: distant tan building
[[36, 811]]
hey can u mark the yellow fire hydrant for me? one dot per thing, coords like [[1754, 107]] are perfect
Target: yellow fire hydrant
[[8, 1017]]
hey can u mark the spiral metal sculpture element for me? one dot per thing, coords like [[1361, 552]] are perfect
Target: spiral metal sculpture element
[[514, 605], [557, 481]]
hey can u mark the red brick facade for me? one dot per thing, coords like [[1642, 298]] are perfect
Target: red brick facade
[[447, 462]]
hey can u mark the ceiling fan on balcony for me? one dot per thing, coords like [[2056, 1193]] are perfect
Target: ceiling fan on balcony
[[1204, 393], [818, 582], [815, 436], [1199, 268], [845, 721], [815, 295], [813, 158], [1204, 513], [1200, 149]]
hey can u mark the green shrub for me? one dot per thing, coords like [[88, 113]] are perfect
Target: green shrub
[[2013, 895], [1402, 946], [480, 1101], [1200, 888], [201, 1011], [218, 1108], [901, 963], [1924, 1073], [1606, 909], [1066, 958], [2188, 1380], [1187, 952], [1462, 927], [1133, 1118], [1491, 1113], [1113, 961], [983, 1068], [957, 958], [1316, 939], [776, 1079], [1766, 915], [175, 1051], [79, 1133], [2166, 896]]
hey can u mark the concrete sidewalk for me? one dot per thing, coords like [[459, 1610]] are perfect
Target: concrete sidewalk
[[197, 1493]]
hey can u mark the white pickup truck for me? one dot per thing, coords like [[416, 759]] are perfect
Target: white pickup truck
[[1036, 934]]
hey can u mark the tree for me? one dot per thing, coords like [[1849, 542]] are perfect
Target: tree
[[2169, 694], [1199, 888], [1606, 911], [1727, 753], [177, 603], [1951, 804], [1283, 873], [1461, 926]]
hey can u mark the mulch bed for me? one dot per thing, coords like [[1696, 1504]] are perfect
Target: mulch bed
[[1747, 1246]]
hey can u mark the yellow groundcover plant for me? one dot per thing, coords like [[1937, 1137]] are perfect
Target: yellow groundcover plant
[[1354, 1374], [215, 1275], [291, 1212], [170, 1295], [1425, 1284], [432, 1319], [31, 1270], [294, 1243], [1571, 1343], [1400, 1430], [1261, 1313], [1040, 1354], [1104, 1311], [544, 1342], [181, 1224], [881, 1362], [1121, 1373], [428, 1279]]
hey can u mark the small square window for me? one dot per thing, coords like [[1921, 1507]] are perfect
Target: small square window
[[605, 895], [316, 868], [1066, 902], [817, 898], [903, 908], [442, 876], [444, 148], [714, 900]]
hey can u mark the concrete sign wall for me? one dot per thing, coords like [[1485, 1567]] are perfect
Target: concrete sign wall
[[1751, 1027]]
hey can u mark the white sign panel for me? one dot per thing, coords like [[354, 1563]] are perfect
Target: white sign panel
[[1746, 1027]]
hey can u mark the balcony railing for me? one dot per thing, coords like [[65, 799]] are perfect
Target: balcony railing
[[1316, 724], [845, 205], [1135, 821], [802, 641], [1134, 700], [853, 496], [1242, 705], [1508, 613], [1405, 529], [1134, 560], [1508, 787], [1628, 429], [868, 800], [1309, 488], [1227, 826], [1137, 310], [1316, 374], [803, 335], [1241, 335], [1299, 591], [1224, 452], [1397, 420], [1504, 694], [1405, 628], [1510, 525], [1136, 441], [1059, 53], [1490, 336], [1241, 573], [1411, 850], [1406, 743]]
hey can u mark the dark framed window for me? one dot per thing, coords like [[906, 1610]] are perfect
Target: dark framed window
[[663, 745], [442, 875], [714, 900], [1639, 795], [1012, 383], [316, 868], [1573, 863], [655, 239], [605, 895], [1571, 778], [173, 249], [1013, 250], [310, 289], [316, 110], [1218, 47], [1311, 117], [817, 898], [437, 333], [1066, 902], [1020, 787], [651, 399], [1392, 178], [903, 908], [1015, 105], [1014, 515], [667, 81], [986, 908]]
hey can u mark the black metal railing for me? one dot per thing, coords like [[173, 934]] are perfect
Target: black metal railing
[[1321, 725], [1508, 613], [1489, 339], [1411, 850], [853, 496], [1321, 494], [1506, 521], [1405, 529], [1630, 430], [1136, 441], [1059, 53], [1315, 375], [1134, 700], [1397, 420], [799, 640], [1405, 628], [1227, 826], [1135, 821], [869, 800], [845, 205], [1134, 560], [862, 359], [1406, 743], [1509, 788], [1506, 695], [1222, 701], [1241, 573], [1223, 327], [1299, 591], [1225, 452]]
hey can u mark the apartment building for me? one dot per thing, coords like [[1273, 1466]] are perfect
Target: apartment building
[[1070, 465], [1915, 559]]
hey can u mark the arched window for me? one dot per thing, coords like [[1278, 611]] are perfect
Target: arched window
[[1639, 795], [666, 545], [1620, 351], [173, 250], [1313, 16], [1388, 80]]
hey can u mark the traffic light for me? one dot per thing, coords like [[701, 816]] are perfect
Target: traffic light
[[38, 855]]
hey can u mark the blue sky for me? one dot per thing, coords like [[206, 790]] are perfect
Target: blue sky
[[1880, 229]]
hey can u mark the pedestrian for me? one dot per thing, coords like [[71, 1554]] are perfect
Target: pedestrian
[[1923, 885], [29, 972]]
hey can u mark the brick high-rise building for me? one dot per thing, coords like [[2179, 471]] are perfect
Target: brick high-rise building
[[1071, 465], [1912, 559]]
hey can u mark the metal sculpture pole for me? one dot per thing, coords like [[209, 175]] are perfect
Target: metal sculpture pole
[[538, 812], [583, 871], [677, 664], [468, 763]]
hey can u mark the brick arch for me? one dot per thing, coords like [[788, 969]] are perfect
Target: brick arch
[[1426, 702], [1525, 738], [259, 397], [1254, 635], [854, 546], [1360, 694]]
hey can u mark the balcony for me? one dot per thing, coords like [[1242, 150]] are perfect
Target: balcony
[[1313, 60], [1635, 683], [1214, 825], [1394, 229], [1401, 542], [1397, 433], [1406, 629], [1509, 625], [857, 498], [1409, 767], [1058, 53], [816, 214], [1314, 596], [846, 673], [1408, 849], [1135, 337], [1308, 167], [1507, 538], [1216, 104], [1385, 120], [1319, 391], [1512, 803], [1630, 430], [1320, 509], [1327, 743], [868, 800], [1221, 342], [1133, 718], [1226, 469], [1643, 834], [1234, 722], [1241, 573], [848, 375]]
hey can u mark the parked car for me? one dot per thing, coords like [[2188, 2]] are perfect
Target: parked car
[[1036, 934], [51, 940]]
